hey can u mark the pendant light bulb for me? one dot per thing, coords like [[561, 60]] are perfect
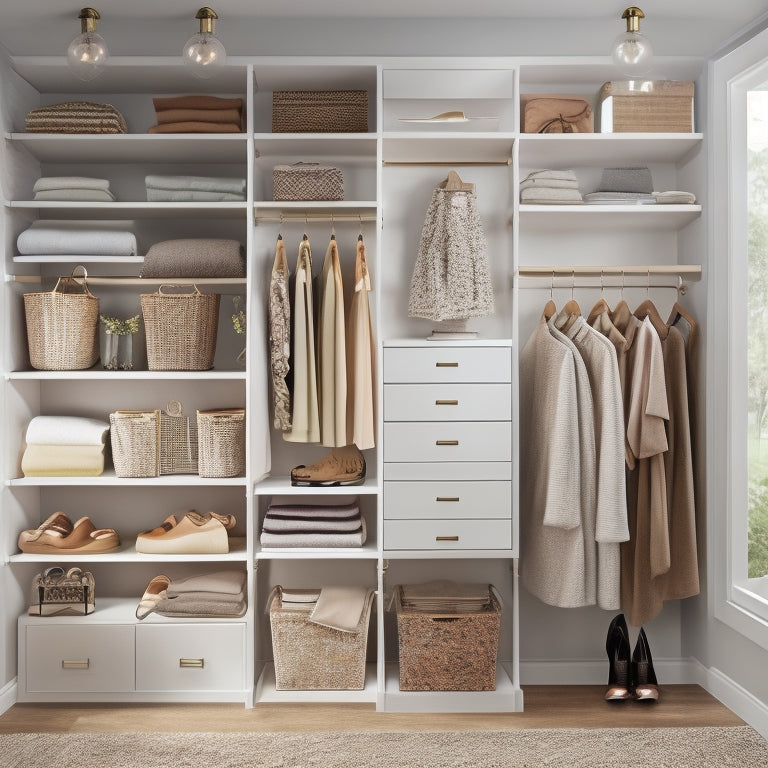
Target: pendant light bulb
[[204, 52], [632, 51], [87, 54]]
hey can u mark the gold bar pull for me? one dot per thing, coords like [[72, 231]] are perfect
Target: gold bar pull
[[446, 402], [446, 365], [446, 538], [75, 664], [446, 442], [447, 498], [191, 663]]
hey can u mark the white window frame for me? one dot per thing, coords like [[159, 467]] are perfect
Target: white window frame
[[730, 598]]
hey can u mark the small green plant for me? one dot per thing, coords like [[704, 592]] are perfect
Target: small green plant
[[119, 327], [238, 319]]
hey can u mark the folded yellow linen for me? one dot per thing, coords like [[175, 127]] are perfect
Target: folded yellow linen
[[62, 460]]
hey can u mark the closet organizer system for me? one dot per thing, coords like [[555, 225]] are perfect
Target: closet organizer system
[[422, 454]]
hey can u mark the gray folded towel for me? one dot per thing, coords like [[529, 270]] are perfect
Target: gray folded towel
[[69, 182], [78, 194], [315, 540], [629, 179], [201, 257], [198, 183], [61, 237]]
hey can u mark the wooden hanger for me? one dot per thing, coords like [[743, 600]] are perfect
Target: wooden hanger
[[281, 262], [571, 310], [454, 183], [678, 312], [648, 309]]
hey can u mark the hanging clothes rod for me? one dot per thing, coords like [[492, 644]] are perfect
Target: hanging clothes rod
[[448, 163], [688, 271], [307, 217], [129, 280]]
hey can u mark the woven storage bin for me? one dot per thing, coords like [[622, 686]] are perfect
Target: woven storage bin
[[320, 112], [309, 656], [178, 441], [221, 442], [666, 106], [448, 651], [307, 181], [181, 330], [62, 326]]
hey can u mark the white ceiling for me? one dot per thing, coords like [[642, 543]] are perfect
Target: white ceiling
[[291, 27]]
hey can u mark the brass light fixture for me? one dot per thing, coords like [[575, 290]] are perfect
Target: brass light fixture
[[632, 51], [87, 54], [204, 52]]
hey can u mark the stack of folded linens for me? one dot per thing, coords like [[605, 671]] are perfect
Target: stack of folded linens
[[64, 446], [57, 237], [73, 188], [185, 189], [76, 117], [443, 596], [334, 523], [548, 187], [198, 114], [623, 186], [222, 593], [200, 257]]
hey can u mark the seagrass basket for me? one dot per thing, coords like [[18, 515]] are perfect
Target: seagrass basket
[[336, 111], [307, 181], [62, 326], [221, 442], [181, 329]]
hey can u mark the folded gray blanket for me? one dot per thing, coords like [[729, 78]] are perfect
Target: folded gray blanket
[[63, 237], [315, 540], [229, 581], [195, 257], [69, 182], [197, 183], [77, 194], [192, 196], [314, 510], [286, 524]]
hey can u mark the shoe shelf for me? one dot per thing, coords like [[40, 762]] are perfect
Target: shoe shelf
[[267, 693], [109, 478], [282, 486]]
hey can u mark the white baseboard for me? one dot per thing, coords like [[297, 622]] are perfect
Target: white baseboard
[[7, 696], [672, 671]]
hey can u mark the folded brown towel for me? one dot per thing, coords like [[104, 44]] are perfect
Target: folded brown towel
[[76, 117], [199, 115], [195, 102], [195, 126], [203, 257]]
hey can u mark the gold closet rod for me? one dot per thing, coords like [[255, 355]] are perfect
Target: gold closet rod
[[447, 163], [307, 217]]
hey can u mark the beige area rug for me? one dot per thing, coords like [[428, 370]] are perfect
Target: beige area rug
[[530, 748]]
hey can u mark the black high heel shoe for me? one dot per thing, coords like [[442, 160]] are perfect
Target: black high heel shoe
[[617, 648], [643, 675]]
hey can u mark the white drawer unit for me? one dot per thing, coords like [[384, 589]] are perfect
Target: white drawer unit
[[448, 441], [190, 657], [447, 402], [447, 500], [426, 365], [79, 659], [447, 534]]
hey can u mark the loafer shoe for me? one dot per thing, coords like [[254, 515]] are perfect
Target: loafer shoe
[[341, 466]]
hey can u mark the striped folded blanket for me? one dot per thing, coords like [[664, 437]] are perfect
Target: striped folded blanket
[[76, 117], [291, 519]]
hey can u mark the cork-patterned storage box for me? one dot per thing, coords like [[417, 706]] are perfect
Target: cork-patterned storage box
[[650, 106], [448, 651]]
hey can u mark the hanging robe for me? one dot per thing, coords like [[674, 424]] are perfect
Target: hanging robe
[[280, 339]]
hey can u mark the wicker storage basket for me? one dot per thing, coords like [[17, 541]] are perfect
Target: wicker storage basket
[[309, 656], [307, 181], [666, 106], [181, 329], [320, 112], [448, 651], [62, 326], [221, 442]]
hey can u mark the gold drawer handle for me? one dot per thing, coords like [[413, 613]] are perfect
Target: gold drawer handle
[[446, 402], [447, 498], [446, 442], [75, 664], [446, 538], [192, 663], [446, 365]]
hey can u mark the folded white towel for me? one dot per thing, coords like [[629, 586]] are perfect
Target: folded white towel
[[59, 236], [191, 196], [550, 195], [675, 197], [199, 183], [229, 582], [66, 430], [69, 182], [538, 183], [549, 174], [76, 194]]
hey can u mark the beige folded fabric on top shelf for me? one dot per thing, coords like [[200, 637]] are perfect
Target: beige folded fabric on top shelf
[[62, 460]]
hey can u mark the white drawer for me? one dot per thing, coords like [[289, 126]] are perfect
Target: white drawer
[[427, 365], [447, 534], [447, 500], [439, 472], [448, 441], [79, 659], [447, 402], [190, 657]]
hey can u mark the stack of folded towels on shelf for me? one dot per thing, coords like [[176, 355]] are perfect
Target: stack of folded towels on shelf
[[195, 257], [336, 522], [198, 114], [623, 186], [59, 237], [185, 189], [73, 188], [76, 117], [547, 187], [64, 446]]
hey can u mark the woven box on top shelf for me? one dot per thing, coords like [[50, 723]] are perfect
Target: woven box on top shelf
[[336, 111], [221, 442], [181, 329], [647, 106], [448, 651]]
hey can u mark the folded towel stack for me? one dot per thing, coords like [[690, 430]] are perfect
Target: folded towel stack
[[202, 257], [625, 185], [76, 117], [548, 187], [64, 446], [78, 188], [198, 114], [209, 595], [313, 525], [184, 189], [81, 238]]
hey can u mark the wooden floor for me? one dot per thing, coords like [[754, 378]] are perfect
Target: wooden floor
[[546, 706]]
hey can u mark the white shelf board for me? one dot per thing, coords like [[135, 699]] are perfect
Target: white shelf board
[[310, 206], [316, 145], [369, 551], [267, 693], [479, 342], [99, 374], [198, 148], [450, 554], [434, 147], [109, 478], [128, 554], [135, 210], [76, 259], [603, 149], [569, 218], [506, 698], [282, 486]]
